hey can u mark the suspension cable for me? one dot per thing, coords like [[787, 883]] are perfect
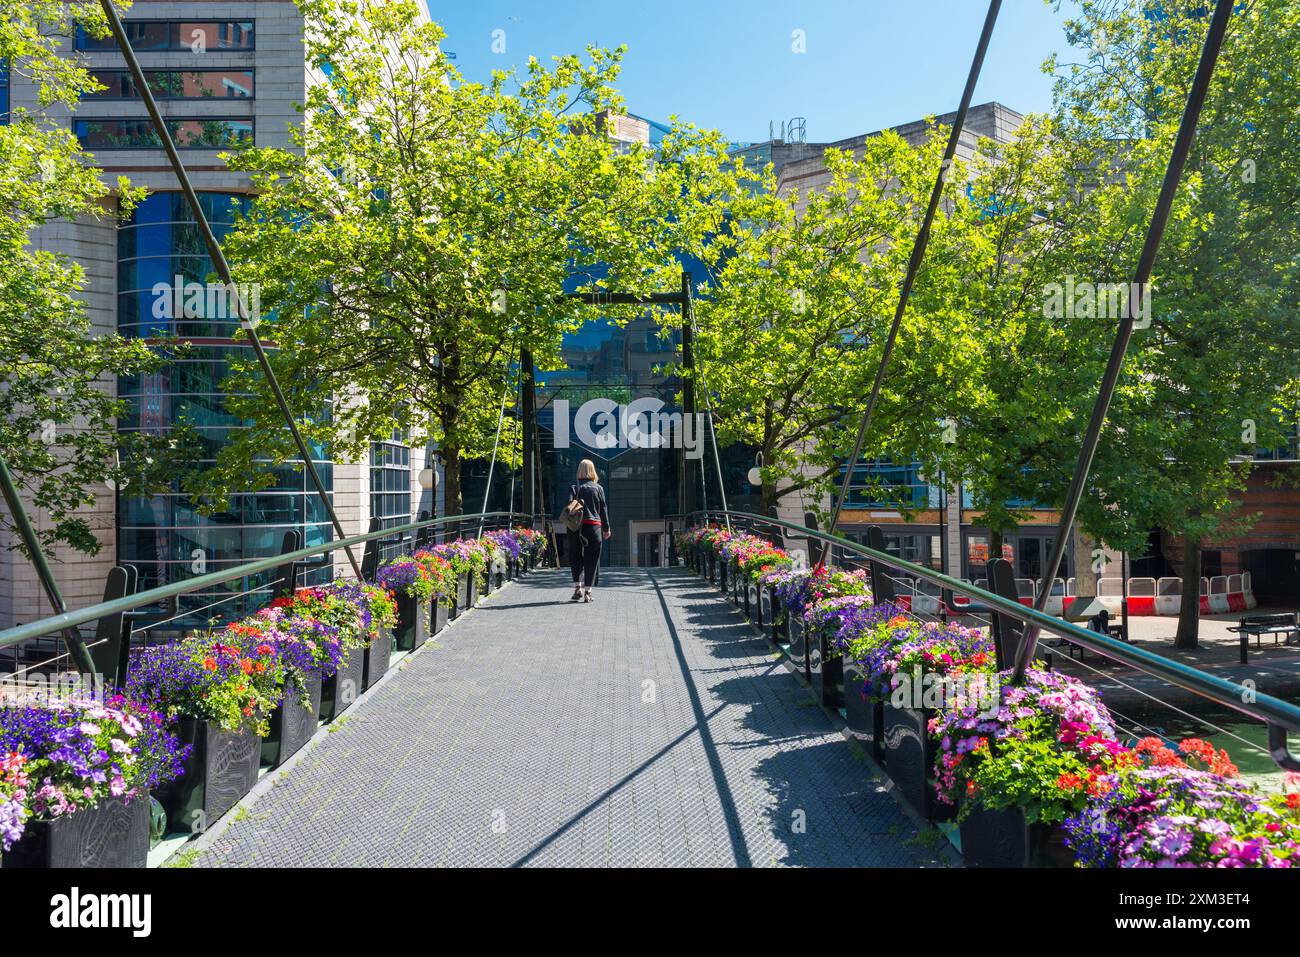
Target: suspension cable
[[918, 253], [1141, 276]]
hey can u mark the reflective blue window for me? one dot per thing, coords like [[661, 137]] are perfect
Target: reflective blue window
[[166, 536]]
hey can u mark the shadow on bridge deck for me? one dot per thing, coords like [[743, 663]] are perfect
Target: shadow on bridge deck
[[650, 727]]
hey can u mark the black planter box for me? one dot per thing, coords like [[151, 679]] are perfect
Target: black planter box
[[826, 670], [1003, 839], [438, 615], [113, 833], [488, 577], [722, 570], [753, 606], [465, 588], [735, 586], [412, 623], [766, 611], [292, 725], [342, 688], [221, 769], [864, 719], [377, 656], [799, 645], [714, 567], [909, 756]]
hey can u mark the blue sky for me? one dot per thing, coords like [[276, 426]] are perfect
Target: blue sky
[[729, 64]]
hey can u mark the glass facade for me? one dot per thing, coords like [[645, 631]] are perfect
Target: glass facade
[[175, 84], [135, 133], [4, 92], [153, 36], [606, 360], [390, 485], [165, 536]]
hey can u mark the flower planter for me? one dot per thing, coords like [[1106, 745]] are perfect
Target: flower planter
[[864, 718], [113, 833], [221, 769], [412, 623], [799, 645], [488, 577], [292, 725], [377, 657], [465, 594], [735, 586], [438, 615], [753, 606], [909, 756], [721, 570], [767, 608], [341, 689], [1003, 839], [825, 670]]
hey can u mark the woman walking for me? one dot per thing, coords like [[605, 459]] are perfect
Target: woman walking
[[584, 552]]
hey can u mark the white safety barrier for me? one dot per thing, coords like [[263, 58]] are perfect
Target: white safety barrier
[[1110, 592], [1055, 598], [1169, 596], [1248, 589], [1219, 595]]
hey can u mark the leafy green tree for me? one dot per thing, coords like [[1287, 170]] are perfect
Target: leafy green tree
[[1214, 374], [57, 409], [422, 229], [996, 368], [790, 330]]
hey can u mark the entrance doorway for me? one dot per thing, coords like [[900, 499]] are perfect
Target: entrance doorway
[[649, 544], [1274, 575]]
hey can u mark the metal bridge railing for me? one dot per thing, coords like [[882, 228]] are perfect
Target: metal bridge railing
[[887, 571], [130, 617]]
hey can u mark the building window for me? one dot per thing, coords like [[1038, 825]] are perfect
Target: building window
[[198, 36], [165, 536], [885, 484], [207, 133], [160, 243], [175, 84], [4, 91], [390, 485]]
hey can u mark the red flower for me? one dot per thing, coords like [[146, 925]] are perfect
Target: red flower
[[1069, 782], [210, 664]]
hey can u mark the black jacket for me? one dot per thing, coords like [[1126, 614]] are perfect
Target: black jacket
[[592, 497]]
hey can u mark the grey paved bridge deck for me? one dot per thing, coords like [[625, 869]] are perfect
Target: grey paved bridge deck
[[651, 727]]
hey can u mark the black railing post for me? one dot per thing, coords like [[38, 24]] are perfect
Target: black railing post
[[370, 558], [107, 650], [285, 579], [882, 583], [1005, 630]]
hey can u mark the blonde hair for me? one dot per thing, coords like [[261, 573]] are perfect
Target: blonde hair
[[587, 471]]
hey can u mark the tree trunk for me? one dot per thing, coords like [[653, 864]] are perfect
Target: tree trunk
[[1189, 611], [451, 480]]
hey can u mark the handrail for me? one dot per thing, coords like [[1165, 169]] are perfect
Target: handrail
[[1262, 707], [80, 616]]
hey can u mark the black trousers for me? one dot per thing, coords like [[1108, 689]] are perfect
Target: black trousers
[[584, 553]]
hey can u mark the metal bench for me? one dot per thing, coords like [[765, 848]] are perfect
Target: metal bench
[[1276, 625]]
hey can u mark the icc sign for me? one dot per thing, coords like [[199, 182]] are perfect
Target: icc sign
[[603, 424]]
